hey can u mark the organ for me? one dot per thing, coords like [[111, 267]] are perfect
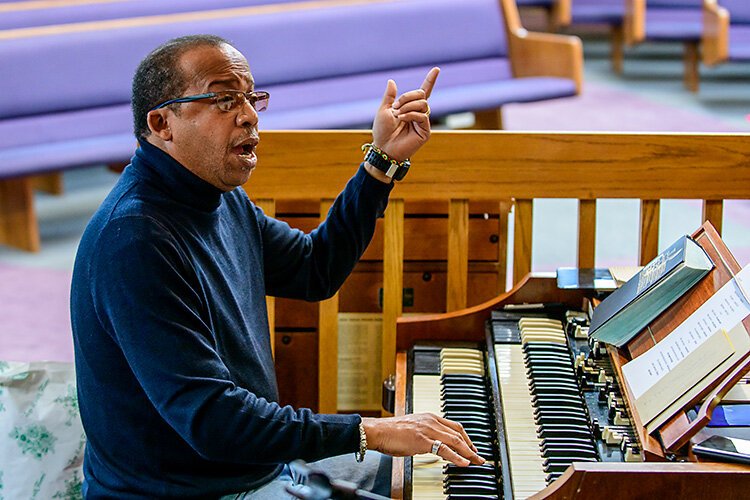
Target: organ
[[545, 405]]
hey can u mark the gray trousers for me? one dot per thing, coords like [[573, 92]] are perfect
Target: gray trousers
[[373, 474]]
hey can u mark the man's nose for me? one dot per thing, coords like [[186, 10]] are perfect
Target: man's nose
[[247, 115]]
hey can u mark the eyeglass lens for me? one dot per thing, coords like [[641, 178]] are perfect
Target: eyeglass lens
[[228, 101]]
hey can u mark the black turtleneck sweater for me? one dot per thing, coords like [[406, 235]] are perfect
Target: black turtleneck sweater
[[176, 382]]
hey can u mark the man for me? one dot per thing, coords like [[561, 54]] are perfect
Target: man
[[176, 381]]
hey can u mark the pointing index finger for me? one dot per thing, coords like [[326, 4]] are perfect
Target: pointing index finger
[[429, 81]]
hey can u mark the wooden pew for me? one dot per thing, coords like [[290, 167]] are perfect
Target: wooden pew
[[572, 13], [88, 122], [726, 32], [640, 25], [456, 167]]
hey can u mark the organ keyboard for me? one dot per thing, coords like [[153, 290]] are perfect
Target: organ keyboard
[[540, 403]]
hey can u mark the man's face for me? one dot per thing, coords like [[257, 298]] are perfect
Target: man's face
[[217, 146]]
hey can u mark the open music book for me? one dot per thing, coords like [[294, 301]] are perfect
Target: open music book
[[665, 279], [693, 356]]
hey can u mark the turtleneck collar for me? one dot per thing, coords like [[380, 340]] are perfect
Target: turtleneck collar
[[181, 184]]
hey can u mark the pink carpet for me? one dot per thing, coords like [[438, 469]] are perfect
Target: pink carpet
[[34, 314], [625, 112]]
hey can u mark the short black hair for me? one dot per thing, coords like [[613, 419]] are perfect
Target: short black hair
[[159, 78]]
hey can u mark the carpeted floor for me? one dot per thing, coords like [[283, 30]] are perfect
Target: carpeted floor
[[34, 315], [34, 318]]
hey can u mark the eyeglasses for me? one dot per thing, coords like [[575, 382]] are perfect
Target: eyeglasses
[[226, 100]]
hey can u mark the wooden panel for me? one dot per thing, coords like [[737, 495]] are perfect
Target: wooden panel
[[649, 231], [426, 282], [468, 324], [393, 265], [441, 207], [713, 211], [425, 238], [49, 183], [18, 224], [297, 369], [546, 54], [328, 344], [497, 165], [296, 314], [458, 254], [522, 222], [625, 481], [269, 208], [361, 292], [586, 233]]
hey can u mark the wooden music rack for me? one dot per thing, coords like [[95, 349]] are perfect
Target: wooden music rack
[[673, 435]]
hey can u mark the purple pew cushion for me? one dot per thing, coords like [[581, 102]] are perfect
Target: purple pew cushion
[[739, 43], [739, 10], [674, 24], [104, 135], [281, 48], [598, 11], [71, 91]]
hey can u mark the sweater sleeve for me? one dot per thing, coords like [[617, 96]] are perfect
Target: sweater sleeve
[[148, 300], [314, 266]]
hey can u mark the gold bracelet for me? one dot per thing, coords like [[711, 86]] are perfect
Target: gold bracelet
[[360, 455]]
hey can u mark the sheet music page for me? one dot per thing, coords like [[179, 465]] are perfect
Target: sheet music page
[[693, 371], [723, 310], [359, 381], [683, 378]]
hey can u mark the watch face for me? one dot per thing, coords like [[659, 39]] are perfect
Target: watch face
[[401, 171]]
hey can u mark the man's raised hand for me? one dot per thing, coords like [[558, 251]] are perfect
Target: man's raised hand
[[402, 124]]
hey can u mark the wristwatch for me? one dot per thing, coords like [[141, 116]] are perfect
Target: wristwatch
[[391, 168]]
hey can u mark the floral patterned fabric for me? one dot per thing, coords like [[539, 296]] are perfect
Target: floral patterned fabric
[[41, 436]]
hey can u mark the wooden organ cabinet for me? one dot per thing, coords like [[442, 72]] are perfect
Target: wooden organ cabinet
[[552, 421]]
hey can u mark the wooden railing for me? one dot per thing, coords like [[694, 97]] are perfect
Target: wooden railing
[[455, 167]]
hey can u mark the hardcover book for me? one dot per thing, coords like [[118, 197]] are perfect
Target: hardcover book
[[665, 279]]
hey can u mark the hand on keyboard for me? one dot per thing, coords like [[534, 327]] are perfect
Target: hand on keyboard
[[412, 434]]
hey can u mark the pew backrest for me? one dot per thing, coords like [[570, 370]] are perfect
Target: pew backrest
[[739, 10], [35, 13], [284, 43]]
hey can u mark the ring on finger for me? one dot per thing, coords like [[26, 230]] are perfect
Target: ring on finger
[[436, 446]]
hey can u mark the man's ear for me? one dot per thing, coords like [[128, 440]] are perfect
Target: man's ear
[[158, 123]]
